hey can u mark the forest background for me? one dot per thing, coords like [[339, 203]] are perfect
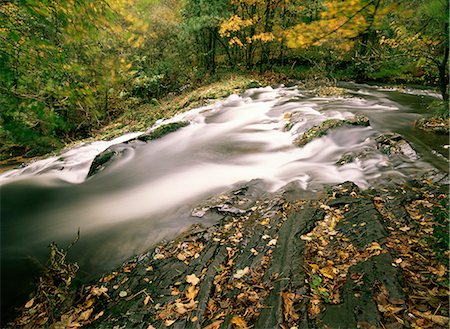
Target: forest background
[[69, 68]]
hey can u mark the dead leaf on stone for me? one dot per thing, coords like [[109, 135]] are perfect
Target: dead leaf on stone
[[158, 257], [95, 291], [84, 316], [272, 242], [438, 319], [288, 306], [214, 325], [327, 272], [192, 292], [183, 308], [168, 323], [192, 279], [181, 257], [29, 303], [238, 322], [240, 273]]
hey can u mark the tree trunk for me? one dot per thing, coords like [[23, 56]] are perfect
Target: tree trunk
[[443, 75]]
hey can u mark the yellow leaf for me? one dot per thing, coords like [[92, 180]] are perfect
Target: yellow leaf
[[327, 272], [314, 267], [238, 322], [192, 292]]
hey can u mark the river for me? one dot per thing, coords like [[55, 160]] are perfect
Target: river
[[147, 193]]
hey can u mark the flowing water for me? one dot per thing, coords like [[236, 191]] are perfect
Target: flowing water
[[146, 194]]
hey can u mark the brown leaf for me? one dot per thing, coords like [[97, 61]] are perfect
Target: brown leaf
[[29, 303], [97, 316], [438, 319], [238, 322], [182, 308], [84, 316], [288, 306], [192, 292], [214, 325], [192, 279], [168, 323], [146, 300]]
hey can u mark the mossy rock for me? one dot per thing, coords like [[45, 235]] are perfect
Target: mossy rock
[[323, 128], [163, 131], [331, 91], [394, 144], [436, 125], [253, 84], [100, 162]]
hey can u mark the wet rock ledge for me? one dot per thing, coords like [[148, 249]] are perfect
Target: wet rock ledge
[[343, 258]]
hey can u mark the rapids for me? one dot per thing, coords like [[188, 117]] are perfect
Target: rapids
[[147, 193]]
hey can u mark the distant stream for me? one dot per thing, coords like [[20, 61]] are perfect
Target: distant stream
[[146, 195]]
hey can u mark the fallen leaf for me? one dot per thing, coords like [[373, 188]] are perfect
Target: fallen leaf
[[327, 272], [168, 323], [123, 294], [240, 273], [84, 316], [192, 279], [158, 257], [238, 322], [374, 246], [288, 306], [272, 242], [182, 308], [29, 303], [306, 238], [181, 257], [97, 316], [99, 291], [314, 267], [146, 300], [214, 325], [150, 327], [254, 252], [438, 319], [192, 292]]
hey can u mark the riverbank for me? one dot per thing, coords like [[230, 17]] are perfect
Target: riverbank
[[344, 257]]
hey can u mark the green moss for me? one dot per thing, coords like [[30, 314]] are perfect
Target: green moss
[[327, 125], [100, 161], [163, 130]]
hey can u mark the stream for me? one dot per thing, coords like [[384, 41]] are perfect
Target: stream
[[148, 192]]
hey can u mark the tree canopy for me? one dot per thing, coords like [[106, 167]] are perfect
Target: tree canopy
[[69, 67]]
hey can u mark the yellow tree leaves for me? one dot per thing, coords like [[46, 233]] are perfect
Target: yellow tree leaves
[[339, 24]]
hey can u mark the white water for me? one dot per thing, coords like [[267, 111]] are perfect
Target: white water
[[145, 194]]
